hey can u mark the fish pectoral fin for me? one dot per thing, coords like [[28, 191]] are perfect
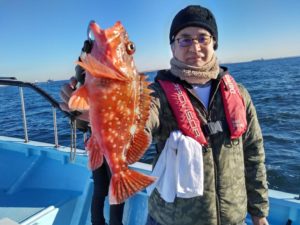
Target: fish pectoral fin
[[94, 152], [79, 100], [124, 185], [99, 70]]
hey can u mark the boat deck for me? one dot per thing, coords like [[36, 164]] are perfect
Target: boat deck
[[42, 183], [39, 185]]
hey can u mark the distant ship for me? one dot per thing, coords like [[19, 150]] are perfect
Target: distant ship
[[258, 60], [50, 80]]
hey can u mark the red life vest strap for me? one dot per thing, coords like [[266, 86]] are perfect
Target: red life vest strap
[[184, 112], [234, 107], [187, 119]]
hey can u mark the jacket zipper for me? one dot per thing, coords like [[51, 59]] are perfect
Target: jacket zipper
[[216, 181], [213, 95], [217, 196], [215, 165], [207, 112]]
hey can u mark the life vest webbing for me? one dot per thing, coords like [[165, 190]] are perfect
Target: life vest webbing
[[186, 117], [183, 110], [234, 106]]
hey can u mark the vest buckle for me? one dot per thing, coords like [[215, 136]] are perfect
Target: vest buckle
[[212, 128]]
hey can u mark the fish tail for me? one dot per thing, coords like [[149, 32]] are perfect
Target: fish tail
[[127, 183], [95, 154]]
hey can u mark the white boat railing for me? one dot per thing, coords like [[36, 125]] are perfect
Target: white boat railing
[[12, 81]]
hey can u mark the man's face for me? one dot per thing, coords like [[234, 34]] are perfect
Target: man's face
[[193, 46]]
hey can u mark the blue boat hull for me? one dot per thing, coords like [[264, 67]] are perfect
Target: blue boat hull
[[39, 185]]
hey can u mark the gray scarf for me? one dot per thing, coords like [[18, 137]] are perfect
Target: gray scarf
[[194, 74]]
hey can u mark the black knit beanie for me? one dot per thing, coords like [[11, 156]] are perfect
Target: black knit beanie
[[194, 15]]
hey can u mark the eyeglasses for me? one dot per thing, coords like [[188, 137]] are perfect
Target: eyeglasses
[[188, 41]]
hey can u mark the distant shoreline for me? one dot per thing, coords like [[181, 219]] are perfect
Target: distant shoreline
[[261, 60]]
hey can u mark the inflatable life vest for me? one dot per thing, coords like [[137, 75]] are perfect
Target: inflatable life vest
[[186, 117]]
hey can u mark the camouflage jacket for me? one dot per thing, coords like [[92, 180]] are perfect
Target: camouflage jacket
[[234, 170]]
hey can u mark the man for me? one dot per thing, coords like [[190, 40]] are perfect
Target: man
[[222, 118]]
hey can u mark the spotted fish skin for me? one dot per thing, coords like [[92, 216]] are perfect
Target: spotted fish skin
[[118, 100]]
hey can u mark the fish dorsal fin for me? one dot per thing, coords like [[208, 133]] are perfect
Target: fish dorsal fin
[[79, 99], [141, 140]]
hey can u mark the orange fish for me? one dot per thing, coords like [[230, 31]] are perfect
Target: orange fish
[[118, 100]]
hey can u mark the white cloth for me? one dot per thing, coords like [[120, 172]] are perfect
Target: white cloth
[[179, 169]]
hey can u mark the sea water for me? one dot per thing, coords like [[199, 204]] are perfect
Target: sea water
[[272, 84]]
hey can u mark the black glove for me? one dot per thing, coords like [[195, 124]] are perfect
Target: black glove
[[75, 82], [79, 71]]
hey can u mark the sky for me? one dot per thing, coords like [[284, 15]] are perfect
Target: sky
[[42, 39]]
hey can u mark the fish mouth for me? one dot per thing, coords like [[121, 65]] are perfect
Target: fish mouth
[[111, 48]]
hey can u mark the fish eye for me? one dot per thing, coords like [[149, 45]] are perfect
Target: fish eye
[[130, 48]]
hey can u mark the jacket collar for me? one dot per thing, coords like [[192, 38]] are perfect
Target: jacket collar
[[167, 75]]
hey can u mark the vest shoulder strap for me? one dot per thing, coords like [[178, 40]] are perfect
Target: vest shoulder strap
[[187, 120], [184, 112], [234, 106]]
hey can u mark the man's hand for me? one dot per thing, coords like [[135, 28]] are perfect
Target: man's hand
[[259, 220], [66, 91], [65, 94]]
